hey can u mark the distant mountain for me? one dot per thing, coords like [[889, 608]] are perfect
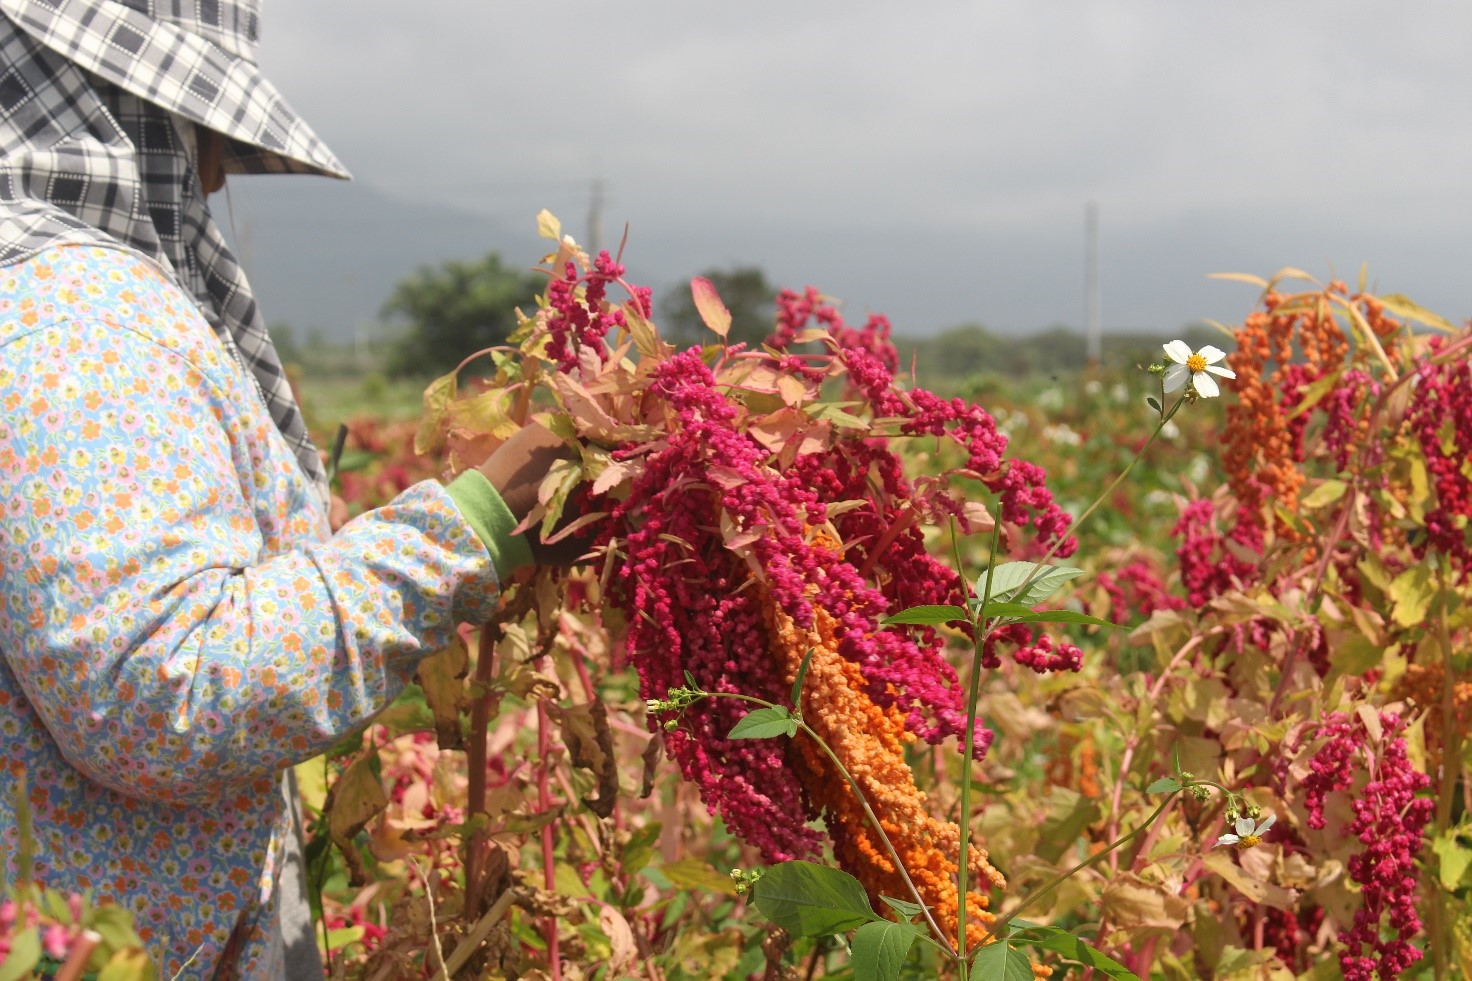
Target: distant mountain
[[325, 254]]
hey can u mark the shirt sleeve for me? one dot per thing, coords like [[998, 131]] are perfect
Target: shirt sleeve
[[175, 633], [492, 521]]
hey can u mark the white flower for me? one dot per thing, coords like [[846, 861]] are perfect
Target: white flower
[[1193, 366], [1249, 832]]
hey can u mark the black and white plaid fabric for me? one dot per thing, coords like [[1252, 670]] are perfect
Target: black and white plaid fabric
[[96, 99]]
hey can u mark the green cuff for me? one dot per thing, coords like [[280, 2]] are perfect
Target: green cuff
[[492, 521]]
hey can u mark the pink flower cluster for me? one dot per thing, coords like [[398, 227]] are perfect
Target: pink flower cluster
[[373, 933], [712, 503], [871, 362], [1208, 567], [1135, 590], [1389, 820], [583, 321], [1342, 408], [56, 938], [1441, 416], [1040, 653]]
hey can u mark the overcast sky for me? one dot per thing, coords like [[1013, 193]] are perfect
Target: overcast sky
[[931, 160]]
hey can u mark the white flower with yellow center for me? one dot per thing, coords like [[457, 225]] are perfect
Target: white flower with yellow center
[[1197, 367], [1249, 832]]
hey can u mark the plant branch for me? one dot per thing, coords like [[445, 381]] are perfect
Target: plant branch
[[979, 635]]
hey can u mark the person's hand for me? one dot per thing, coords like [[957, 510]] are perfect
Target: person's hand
[[337, 513], [516, 470]]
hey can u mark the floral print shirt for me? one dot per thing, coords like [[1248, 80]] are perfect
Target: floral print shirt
[[176, 625]]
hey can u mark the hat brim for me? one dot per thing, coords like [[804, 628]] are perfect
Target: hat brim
[[202, 82]]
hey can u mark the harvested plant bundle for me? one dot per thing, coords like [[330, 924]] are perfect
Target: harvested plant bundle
[[750, 506]]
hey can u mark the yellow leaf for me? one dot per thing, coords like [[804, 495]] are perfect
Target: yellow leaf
[[311, 783], [488, 413], [1288, 272], [1266, 893], [430, 438], [646, 338], [708, 304], [356, 797], [548, 226], [1411, 593], [620, 935], [1130, 901], [692, 873], [1362, 327], [1407, 309], [441, 677], [128, 965], [1370, 717], [1241, 278]]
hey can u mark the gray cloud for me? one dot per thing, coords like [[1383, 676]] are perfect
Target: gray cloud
[[933, 159]]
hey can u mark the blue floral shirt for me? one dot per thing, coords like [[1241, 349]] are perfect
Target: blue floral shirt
[[176, 624]]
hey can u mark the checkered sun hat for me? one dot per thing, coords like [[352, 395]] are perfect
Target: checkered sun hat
[[99, 101], [195, 58]]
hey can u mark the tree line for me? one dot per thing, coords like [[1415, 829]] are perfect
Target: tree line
[[439, 314]]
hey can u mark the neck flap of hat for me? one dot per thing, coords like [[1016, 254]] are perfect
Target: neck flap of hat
[[84, 161]]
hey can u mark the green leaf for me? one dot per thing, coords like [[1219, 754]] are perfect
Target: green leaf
[[802, 672], [1154, 403], [115, 925], [1071, 947], [1007, 580], [25, 954], [692, 873], [1315, 393], [834, 413], [902, 907], [1001, 961], [809, 900], [996, 609], [1326, 493], [1061, 616], [1165, 785], [764, 723], [880, 950], [640, 848], [927, 615], [343, 937], [1453, 857]]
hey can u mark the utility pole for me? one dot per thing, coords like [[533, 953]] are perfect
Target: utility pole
[[1094, 340], [595, 215]]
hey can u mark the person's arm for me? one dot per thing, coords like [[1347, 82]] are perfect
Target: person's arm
[[165, 655]]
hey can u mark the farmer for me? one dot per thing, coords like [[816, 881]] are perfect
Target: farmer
[[177, 625]]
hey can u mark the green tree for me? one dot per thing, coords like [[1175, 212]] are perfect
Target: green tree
[[744, 290], [451, 311]]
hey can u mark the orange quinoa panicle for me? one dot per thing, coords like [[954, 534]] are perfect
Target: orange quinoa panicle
[[870, 741]]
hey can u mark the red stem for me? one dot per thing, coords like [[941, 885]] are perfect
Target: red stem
[[544, 804], [480, 719]]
